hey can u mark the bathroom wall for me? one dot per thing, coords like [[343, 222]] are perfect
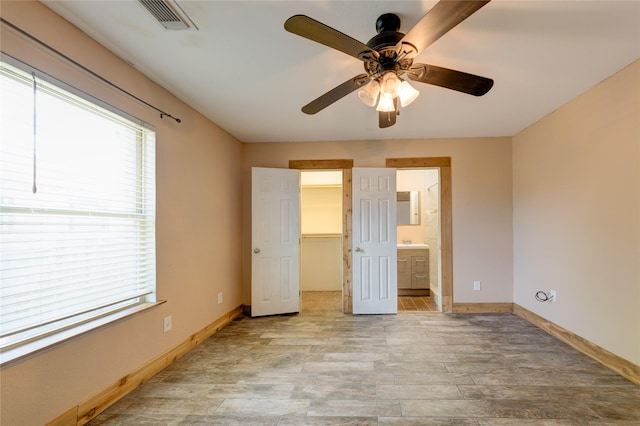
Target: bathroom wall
[[432, 228]]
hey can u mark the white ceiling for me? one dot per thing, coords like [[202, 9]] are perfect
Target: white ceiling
[[243, 71]]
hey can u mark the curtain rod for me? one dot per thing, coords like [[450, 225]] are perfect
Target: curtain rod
[[79, 65]]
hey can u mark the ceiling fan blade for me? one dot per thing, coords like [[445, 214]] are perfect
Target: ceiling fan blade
[[335, 94], [442, 17], [317, 31], [450, 79], [388, 119]]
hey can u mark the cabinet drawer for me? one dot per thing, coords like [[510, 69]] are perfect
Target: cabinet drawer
[[419, 264], [419, 281], [404, 273]]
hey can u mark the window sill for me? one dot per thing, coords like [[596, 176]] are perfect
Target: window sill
[[29, 349]]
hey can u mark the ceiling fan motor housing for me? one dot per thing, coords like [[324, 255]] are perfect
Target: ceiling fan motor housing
[[387, 26]]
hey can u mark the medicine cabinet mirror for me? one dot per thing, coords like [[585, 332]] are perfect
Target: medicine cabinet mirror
[[408, 208]]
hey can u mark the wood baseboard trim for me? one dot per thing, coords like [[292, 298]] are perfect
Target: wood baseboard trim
[[482, 308], [101, 401], [625, 368]]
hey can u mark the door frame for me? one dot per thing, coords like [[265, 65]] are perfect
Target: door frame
[[446, 224], [345, 166], [446, 214]]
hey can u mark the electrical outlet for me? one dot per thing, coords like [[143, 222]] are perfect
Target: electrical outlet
[[476, 286], [219, 298], [167, 323], [552, 295]]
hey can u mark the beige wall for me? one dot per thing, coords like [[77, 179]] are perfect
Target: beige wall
[[321, 210], [576, 214], [321, 264], [321, 255], [482, 200], [198, 211]]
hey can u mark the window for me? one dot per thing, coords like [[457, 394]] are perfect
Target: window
[[77, 211]]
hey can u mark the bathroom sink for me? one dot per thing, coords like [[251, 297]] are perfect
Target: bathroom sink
[[412, 246]]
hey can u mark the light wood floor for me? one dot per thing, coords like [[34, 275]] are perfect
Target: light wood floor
[[331, 301], [417, 368]]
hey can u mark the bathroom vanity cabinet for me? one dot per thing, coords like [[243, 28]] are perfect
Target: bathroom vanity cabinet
[[413, 271]]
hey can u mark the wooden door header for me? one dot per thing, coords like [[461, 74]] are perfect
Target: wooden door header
[[320, 164]]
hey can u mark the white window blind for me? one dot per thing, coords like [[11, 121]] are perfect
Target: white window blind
[[77, 210]]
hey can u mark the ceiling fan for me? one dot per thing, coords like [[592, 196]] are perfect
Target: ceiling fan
[[389, 55]]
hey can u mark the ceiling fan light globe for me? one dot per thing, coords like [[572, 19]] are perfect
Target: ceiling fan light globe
[[407, 94], [385, 104], [369, 94], [390, 84]]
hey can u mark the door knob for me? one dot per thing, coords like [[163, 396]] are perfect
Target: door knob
[[256, 250], [359, 250]]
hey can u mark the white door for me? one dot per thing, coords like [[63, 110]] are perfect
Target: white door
[[375, 280], [275, 239]]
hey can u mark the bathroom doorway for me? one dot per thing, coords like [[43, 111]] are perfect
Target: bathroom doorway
[[445, 264], [418, 239]]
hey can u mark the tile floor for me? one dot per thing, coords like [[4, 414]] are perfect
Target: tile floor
[[321, 367], [331, 301], [417, 304]]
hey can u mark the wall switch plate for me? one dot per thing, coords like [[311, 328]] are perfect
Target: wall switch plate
[[167, 323], [476, 286], [219, 298], [552, 295]]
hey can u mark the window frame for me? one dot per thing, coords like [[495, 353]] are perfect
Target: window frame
[[16, 351]]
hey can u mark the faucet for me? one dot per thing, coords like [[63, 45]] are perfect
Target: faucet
[[406, 241]]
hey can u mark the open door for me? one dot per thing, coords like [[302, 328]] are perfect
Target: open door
[[375, 284], [275, 239]]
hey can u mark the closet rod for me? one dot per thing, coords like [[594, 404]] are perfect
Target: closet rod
[[79, 65]]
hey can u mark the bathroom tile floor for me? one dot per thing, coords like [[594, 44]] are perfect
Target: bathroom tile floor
[[327, 368], [417, 304]]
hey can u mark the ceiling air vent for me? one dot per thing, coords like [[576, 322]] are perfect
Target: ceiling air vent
[[169, 14]]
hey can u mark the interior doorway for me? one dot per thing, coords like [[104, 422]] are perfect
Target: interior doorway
[[418, 239], [345, 166], [445, 270], [443, 164], [321, 250]]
